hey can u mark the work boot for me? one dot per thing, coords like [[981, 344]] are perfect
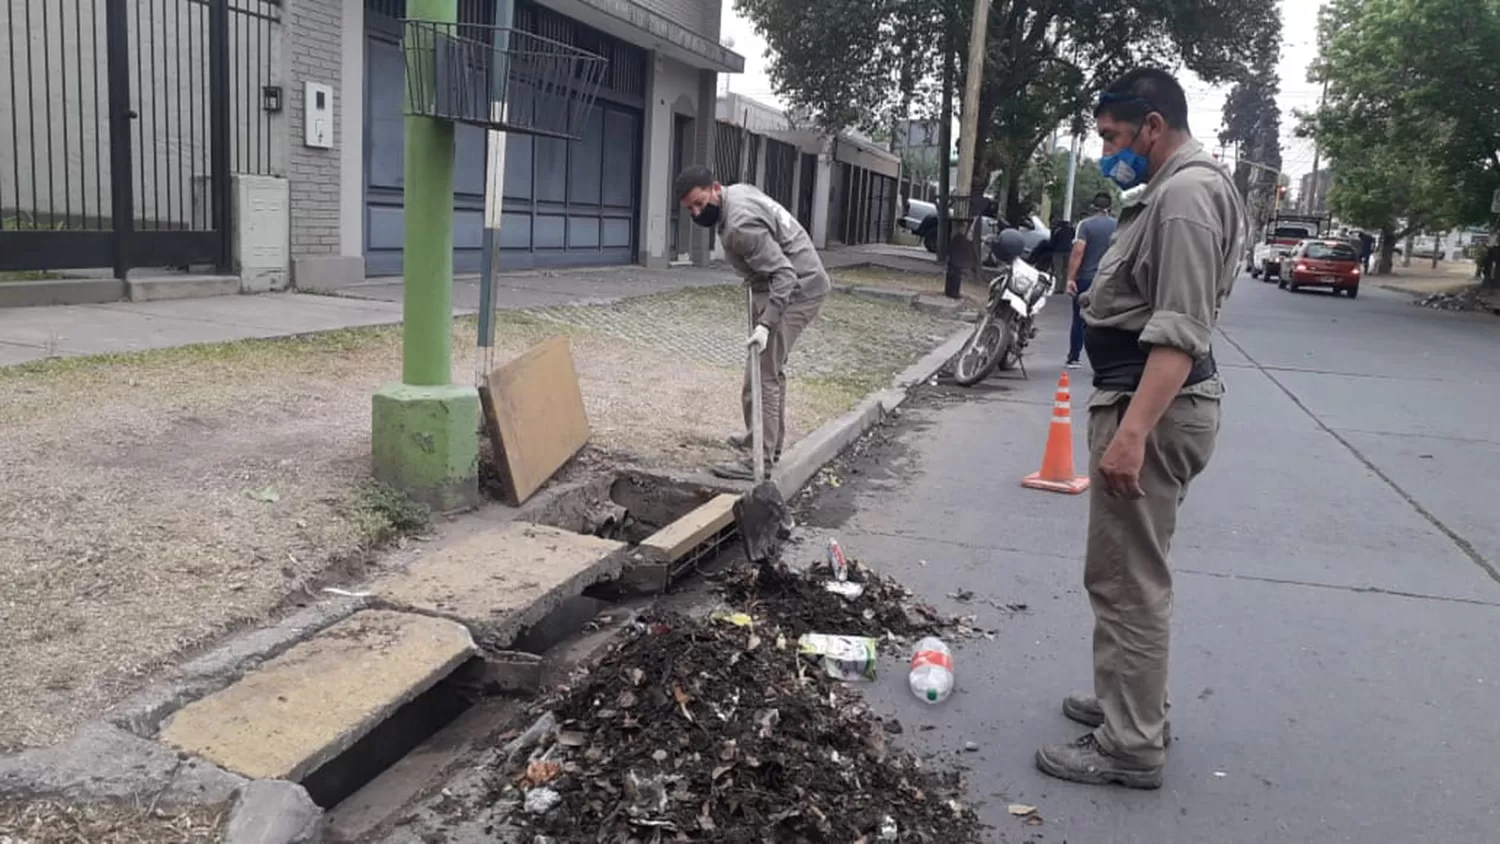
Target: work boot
[[741, 442], [1085, 710], [1084, 761]]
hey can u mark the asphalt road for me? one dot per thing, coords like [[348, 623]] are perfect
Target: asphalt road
[[1336, 663]]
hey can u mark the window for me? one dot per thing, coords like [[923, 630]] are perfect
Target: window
[[1319, 251]]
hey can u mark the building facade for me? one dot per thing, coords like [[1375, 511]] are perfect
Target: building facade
[[842, 188], [216, 135], [263, 141]]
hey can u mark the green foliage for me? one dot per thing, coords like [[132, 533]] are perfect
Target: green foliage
[[384, 514], [861, 62], [1412, 120], [1049, 175]]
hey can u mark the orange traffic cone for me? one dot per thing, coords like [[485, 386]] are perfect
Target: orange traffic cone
[[1057, 463]]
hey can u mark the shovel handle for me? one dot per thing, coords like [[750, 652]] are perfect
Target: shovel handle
[[757, 416]]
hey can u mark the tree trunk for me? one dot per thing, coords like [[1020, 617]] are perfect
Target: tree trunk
[[1411, 242], [1387, 253]]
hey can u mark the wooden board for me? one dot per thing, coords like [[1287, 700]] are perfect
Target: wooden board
[[678, 539], [534, 410]]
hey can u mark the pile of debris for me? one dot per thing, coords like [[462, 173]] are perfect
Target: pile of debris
[[1469, 299], [717, 729], [802, 601]]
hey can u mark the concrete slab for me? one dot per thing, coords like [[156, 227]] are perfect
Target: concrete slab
[[500, 582], [160, 288], [102, 762], [296, 712]]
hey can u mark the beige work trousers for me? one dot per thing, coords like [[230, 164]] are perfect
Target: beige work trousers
[[1127, 576], [797, 316]]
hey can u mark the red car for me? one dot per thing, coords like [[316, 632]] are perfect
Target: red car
[[1324, 263]]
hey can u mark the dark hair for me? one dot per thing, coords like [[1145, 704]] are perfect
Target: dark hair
[[695, 176], [1141, 92], [1103, 201]]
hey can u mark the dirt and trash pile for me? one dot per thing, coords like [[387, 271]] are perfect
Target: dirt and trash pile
[[1470, 299], [724, 729]]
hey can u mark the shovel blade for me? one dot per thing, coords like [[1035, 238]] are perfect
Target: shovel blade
[[760, 515]]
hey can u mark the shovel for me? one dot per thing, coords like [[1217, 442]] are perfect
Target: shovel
[[762, 512]]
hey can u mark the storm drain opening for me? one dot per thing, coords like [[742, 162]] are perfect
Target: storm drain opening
[[671, 527]]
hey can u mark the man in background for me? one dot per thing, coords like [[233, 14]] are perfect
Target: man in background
[[773, 254], [1089, 245]]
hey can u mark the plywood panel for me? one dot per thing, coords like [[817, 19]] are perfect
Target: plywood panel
[[534, 408]]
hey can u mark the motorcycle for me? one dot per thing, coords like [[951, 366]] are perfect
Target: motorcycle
[[1017, 293]]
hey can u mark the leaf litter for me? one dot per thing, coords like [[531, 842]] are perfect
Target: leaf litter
[[715, 729]]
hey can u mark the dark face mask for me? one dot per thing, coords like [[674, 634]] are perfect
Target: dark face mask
[[708, 217]]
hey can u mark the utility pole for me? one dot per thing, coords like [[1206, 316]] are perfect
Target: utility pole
[[1312, 203], [967, 147], [945, 155], [1072, 180], [425, 429]]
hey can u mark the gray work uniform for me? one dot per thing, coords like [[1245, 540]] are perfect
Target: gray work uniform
[[1173, 261], [770, 250]]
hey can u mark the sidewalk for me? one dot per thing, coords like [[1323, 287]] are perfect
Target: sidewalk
[[1421, 279], [32, 334]]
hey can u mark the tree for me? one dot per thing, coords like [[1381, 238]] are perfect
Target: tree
[[1252, 124], [846, 61], [1049, 175], [1411, 120]]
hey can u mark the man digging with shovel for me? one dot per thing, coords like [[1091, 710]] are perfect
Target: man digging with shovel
[[773, 254]]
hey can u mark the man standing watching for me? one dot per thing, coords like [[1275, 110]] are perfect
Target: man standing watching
[[1089, 246], [1154, 415], [773, 254]]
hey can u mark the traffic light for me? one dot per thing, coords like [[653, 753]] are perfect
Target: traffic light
[[1281, 192]]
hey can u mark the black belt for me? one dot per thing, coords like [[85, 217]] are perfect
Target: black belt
[[1119, 361]]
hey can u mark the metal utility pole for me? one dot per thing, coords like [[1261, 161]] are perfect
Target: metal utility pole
[[1067, 213], [945, 155], [964, 202], [1312, 203]]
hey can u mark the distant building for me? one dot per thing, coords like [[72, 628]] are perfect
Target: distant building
[[1312, 198]]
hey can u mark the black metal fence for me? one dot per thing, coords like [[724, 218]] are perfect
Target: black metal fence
[[121, 122], [781, 172], [728, 142]]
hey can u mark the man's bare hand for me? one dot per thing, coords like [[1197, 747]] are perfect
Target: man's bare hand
[[1073, 288], [1121, 466]]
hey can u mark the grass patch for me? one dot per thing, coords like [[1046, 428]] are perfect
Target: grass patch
[[383, 514], [29, 275]]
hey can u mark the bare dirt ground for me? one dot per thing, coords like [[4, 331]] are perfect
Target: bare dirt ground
[[46, 822], [156, 501]]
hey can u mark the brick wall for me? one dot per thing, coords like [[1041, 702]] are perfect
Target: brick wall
[[314, 43], [700, 16]]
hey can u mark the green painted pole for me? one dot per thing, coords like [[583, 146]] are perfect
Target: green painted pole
[[427, 335]]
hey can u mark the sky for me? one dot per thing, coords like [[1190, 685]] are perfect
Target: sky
[[1205, 102]]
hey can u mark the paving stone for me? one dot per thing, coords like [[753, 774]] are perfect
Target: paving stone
[[296, 712], [504, 580], [274, 812]]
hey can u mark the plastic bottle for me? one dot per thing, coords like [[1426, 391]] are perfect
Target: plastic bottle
[[931, 677]]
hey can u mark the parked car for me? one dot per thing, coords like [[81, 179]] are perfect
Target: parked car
[[921, 219], [1333, 264]]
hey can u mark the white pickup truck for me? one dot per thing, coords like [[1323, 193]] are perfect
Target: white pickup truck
[[1283, 234]]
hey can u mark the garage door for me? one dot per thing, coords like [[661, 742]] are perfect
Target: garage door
[[566, 203]]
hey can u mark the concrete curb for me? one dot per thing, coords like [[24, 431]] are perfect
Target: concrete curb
[[813, 452]]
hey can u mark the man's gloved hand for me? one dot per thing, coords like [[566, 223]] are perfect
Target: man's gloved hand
[[759, 338]]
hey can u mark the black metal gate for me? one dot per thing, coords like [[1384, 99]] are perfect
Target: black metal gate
[[116, 126]]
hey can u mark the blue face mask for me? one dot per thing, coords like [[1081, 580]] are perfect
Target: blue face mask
[[1126, 168]]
